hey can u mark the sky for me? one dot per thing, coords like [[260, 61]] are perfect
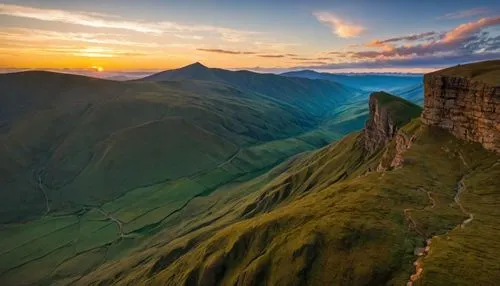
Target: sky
[[131, 36]]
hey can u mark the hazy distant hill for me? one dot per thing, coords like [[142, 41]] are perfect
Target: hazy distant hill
[[369, 82]]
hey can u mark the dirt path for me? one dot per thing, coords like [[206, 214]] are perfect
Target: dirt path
[[420, 252], [460, 189], [118, 223], [42, 188], [409, 218]]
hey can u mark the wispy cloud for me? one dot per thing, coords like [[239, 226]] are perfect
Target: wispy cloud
[[465, 13], [464, 31], [433, 61], [228, 52], [189, 37], [69, 50], [98, 20], [260, 54], [43, 36], [339, 26], [466, 42], [272, 56], [414, 37]]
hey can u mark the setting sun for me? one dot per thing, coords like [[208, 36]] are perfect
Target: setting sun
[[98, 68]]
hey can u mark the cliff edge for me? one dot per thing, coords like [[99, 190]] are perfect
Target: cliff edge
[[465, 100], [387, 114]]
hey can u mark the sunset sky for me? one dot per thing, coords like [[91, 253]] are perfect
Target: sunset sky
[[106, 35]]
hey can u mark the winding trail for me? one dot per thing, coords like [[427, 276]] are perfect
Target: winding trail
[[409, 218], [42, 188], [118, 223], [460, 188]]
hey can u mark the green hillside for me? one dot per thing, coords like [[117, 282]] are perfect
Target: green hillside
[[486, 71], [307, 94], [327, 210], [323, 209], [72, 141], [205, 182]]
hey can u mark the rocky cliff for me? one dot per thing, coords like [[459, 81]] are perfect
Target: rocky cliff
[[387, 114], [466, 107]]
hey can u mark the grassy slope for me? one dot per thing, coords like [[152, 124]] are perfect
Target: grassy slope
[[325, 212], [401, 110], [73, 136], [69, 136], [286, 226], [487, 71]]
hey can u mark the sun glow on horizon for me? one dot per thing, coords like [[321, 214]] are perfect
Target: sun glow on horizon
[[72, 38], [98, 68]]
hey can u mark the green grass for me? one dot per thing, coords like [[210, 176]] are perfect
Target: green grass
[[311, 218], [73, 133], [400, 110], [487, 71], [248, 202]]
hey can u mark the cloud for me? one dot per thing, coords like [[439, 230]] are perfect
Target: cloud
[[465, 43], [77, 17], [272, 56], [43, 36], [434, 61], [233, 52], [338, 26], [311, 59], [464, 13], [97, 20], [188, 37], [460, 40], [229, 52], [414, 37], [465, 30]]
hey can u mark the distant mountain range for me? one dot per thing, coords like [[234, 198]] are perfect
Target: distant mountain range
[[368, 82]]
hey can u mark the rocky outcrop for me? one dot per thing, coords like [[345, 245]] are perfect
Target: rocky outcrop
[[403, 143], [387, 114], [393, 157], [380, 127], [467, 108]]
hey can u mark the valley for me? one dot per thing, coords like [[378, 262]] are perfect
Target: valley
[[202, 176]]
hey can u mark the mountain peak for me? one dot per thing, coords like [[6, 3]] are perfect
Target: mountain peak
[[197, 65]]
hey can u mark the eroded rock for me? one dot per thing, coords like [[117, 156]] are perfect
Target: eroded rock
[[468, 109]]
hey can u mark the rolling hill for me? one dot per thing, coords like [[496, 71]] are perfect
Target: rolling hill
[[70, 142]]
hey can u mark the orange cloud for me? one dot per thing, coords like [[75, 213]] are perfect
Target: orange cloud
[[465, 30], [414, 37], [97, 20], [338, 26]]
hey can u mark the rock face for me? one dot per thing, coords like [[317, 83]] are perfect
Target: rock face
[[387, 114], [380, 127], [468, 109]]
